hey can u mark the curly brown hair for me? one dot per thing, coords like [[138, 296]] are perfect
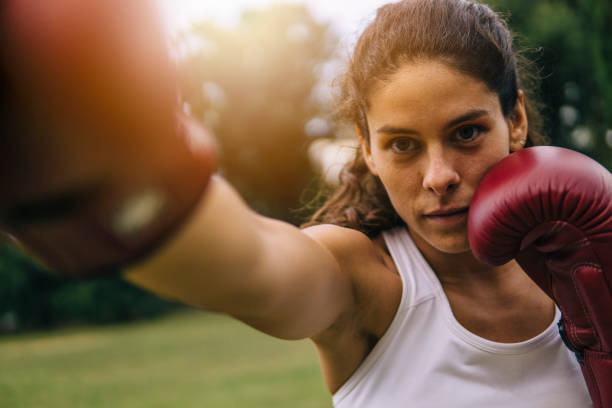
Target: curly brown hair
[[463, 34]]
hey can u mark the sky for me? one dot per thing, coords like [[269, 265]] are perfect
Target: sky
[[347, 17]]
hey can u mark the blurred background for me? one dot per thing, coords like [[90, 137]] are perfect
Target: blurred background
[[260, 74]]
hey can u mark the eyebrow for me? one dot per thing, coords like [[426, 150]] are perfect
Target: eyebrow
[[470, 115]]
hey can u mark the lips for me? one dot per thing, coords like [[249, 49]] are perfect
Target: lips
[[447, 212], [450, 217]]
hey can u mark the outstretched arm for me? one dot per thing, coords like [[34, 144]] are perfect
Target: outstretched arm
[[100, 172], [264, 272]]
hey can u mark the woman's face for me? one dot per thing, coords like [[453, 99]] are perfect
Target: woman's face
[[434, 133]]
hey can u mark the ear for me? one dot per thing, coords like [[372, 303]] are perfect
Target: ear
[[517, 124], [366, 151]]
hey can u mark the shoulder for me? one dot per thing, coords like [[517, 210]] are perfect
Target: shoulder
[[371, 271], [376, 292], [347, 245]]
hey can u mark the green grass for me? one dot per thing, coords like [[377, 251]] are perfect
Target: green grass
[[190, 359]]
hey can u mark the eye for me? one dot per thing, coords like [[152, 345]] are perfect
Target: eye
[[469, 133], [403, 145]]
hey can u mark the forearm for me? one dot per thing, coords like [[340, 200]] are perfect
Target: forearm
[[208, 255], [229, 259]]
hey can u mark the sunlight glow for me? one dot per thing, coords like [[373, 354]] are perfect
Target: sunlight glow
[[347, 17]]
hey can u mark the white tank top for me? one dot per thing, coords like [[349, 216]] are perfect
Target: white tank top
[[427, 359]]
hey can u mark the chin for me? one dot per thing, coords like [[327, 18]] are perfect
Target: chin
[[452, 244], [455, 249]]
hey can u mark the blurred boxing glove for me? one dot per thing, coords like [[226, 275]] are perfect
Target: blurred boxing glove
[[97, 167], [551, 209]]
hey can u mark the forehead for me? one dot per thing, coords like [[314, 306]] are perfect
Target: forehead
[[428, 90]]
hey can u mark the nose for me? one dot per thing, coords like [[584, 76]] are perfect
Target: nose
[[440, 175]]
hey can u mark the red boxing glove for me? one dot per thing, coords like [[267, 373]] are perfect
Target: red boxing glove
[[96, 166], [551, 209]]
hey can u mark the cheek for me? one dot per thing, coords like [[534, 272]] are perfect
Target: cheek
[[493, 155], [402, 190], [475, 164]]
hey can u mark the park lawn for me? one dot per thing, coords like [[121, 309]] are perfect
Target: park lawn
[[188, 359]]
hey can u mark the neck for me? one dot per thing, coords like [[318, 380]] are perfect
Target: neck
[[463, 269], [498, 303]]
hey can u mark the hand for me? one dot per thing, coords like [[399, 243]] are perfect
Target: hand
[[97, 165], [551, 209]]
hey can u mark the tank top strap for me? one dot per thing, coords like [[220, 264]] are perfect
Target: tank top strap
[[414, 270]]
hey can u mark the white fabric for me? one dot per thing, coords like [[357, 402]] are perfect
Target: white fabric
[[427, 359]]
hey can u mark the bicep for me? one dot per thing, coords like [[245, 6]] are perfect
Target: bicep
[[303, 287]]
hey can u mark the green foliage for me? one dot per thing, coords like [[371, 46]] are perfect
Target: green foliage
[[103, 300], [570, 39], [24, 292], [31, 298]]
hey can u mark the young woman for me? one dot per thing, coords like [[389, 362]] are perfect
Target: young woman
[[382, 280], [399, 309]]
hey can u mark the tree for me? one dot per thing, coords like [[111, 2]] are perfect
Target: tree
[[252, 84], [31, 298], [570, 39]]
